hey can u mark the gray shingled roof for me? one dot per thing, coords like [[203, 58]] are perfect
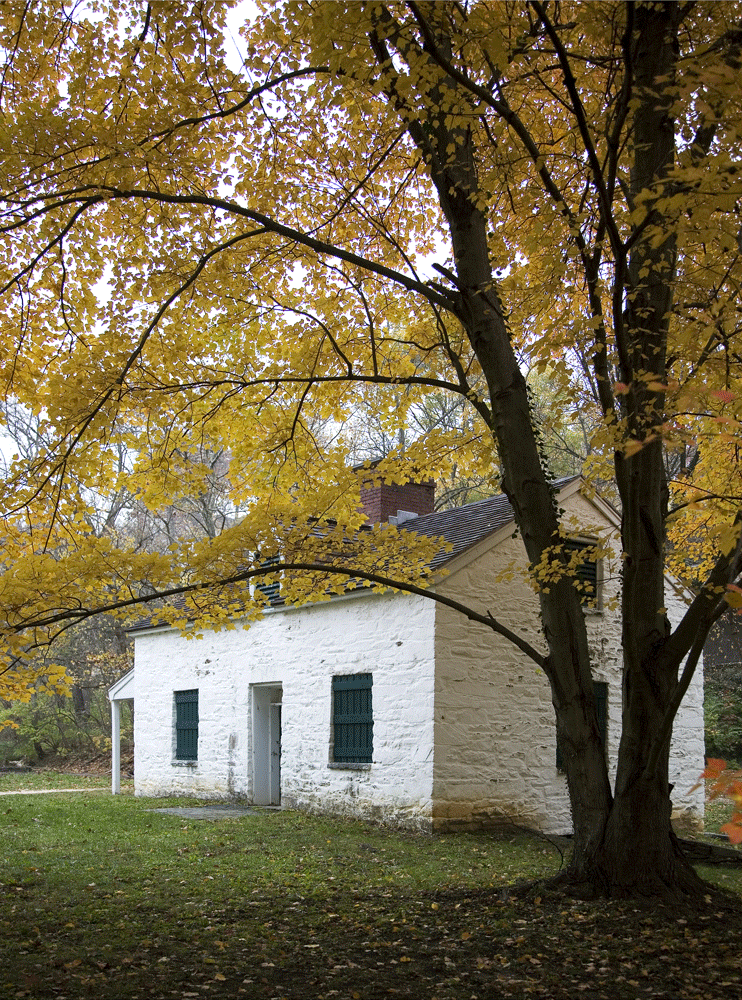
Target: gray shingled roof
[[461, 527], [464, 526]]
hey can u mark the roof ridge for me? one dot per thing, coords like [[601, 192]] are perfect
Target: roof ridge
[[468, 524], [557, 484]]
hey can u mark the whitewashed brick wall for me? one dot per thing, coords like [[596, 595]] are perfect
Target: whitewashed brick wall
[[300, 650], [687, 750]]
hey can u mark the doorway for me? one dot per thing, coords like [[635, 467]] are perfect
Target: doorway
[[266, 744]]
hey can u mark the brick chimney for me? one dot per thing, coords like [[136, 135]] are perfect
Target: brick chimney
[[392, 503]]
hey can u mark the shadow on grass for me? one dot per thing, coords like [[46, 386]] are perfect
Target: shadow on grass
[[102, 897]]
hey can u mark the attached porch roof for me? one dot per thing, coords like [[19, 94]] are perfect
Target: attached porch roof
[[123, 689]]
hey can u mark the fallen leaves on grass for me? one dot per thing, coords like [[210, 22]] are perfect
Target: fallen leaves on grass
[[473, 945], [288, 907]]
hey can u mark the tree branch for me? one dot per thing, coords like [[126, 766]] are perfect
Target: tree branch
[[704, 609], [604, 196], [295, 235], [72, 616]]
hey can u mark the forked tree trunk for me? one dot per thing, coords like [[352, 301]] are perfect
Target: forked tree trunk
[[623, 843], [640, 854]]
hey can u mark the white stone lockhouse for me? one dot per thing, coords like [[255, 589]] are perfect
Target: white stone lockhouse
[[393, 706]]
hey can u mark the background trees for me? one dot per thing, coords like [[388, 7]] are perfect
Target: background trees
[[403, 200], [76, 722]]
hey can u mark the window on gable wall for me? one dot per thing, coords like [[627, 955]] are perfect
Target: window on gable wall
[[587, 573], [270, 591], [600, 691], [352, 719], [186, 725]]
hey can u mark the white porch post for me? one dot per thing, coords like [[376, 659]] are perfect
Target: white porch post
[[115, 747], [122, 690]]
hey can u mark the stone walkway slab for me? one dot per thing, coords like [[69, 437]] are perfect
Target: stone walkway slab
[[207, 812]]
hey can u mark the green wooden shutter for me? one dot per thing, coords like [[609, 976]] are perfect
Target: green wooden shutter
[[186, 725], [352, 719], [600, 691], [587, 571], [270, 591]]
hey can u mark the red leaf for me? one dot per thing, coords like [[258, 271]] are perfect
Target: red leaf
[[733, 831]]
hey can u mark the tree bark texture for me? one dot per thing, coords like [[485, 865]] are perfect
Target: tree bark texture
[[640, 852], [623, 842]]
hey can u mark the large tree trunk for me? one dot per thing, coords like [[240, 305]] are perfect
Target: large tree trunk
[[640, 853], [623, 843], [526, 483]]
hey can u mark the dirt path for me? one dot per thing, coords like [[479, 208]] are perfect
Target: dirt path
[[51, 791]]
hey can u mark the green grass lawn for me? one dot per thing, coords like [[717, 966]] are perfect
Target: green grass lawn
[[14, 781], [102, 897]]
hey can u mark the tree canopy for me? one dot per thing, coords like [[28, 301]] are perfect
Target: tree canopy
[[222, 237]]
